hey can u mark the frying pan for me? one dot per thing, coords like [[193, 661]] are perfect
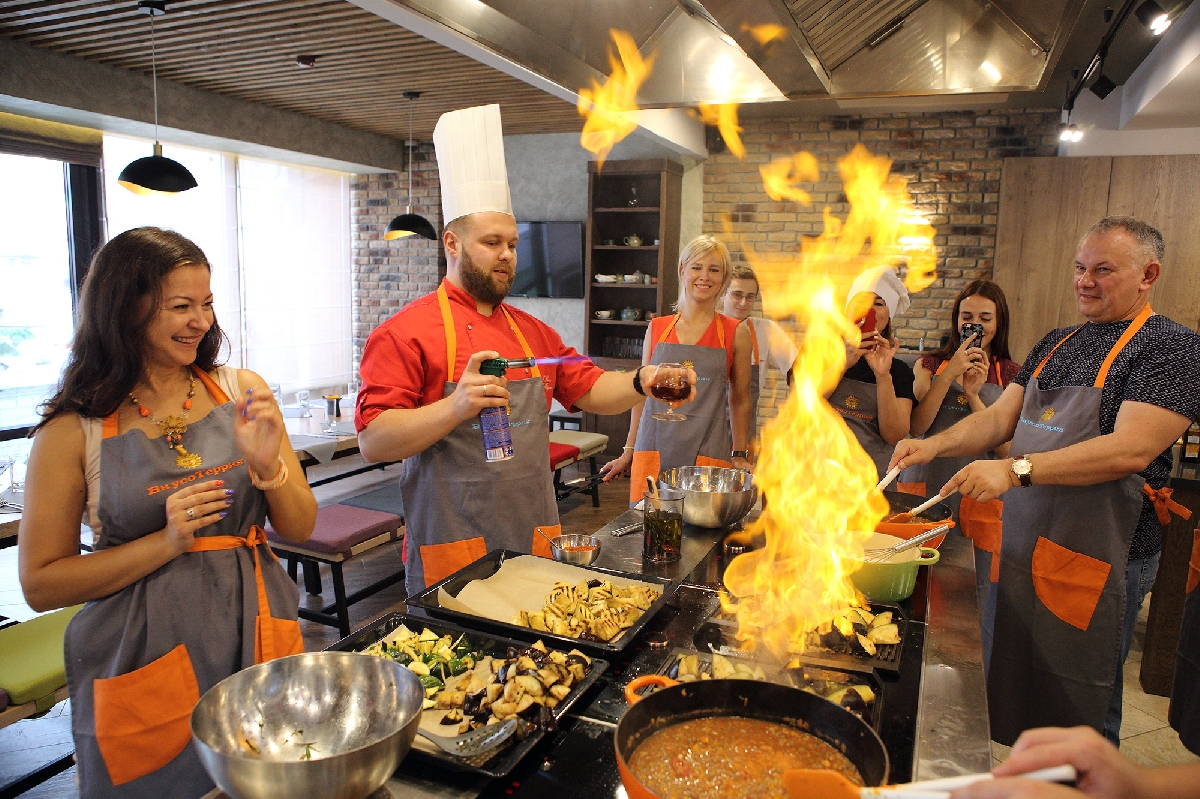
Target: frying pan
[[764, 701], [899, 502]]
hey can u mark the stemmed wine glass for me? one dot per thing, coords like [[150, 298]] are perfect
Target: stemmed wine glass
[[670, 385]]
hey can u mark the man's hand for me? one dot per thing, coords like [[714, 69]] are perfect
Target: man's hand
[[912, 452], [1102, 771], [474, 391], [983, 481]]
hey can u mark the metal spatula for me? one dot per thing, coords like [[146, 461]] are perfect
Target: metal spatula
[[475, 742]]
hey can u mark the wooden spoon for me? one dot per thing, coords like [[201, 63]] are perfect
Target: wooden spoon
[[827, 784], [906, 516], [654, 492]]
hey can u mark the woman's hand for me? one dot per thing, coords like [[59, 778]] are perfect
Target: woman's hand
[[258, 431], [879, 357], [854, 354], [973, 380], [962, 360], [194, 507], [617, 466]]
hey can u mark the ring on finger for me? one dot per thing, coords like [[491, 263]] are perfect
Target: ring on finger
[[191, 514]]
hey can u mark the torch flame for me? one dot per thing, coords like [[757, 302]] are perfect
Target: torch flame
[[819, 481], [611, 110]]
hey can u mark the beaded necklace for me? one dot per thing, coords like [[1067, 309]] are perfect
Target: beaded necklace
[[173, 427]]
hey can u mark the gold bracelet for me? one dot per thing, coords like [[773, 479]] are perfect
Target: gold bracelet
[[279, 479], [626, 449]]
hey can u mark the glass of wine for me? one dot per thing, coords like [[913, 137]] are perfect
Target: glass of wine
[[670, 385]]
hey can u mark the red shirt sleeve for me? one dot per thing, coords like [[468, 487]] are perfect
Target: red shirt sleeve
[[392, 375], [576, 376]]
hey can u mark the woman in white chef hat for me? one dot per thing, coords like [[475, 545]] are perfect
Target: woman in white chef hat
[[875, 395]]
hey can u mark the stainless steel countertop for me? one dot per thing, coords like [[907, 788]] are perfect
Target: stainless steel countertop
[[953, 729]]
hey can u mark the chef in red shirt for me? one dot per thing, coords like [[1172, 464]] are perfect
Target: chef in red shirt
[[422, 391]]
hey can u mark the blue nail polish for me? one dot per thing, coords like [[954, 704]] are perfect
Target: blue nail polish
[[229, 492], [223, 514], [229, 502]]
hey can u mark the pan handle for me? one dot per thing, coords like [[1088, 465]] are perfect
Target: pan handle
[[638, 683]]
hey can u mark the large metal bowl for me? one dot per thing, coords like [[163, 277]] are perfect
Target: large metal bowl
[[713, 497], [359, 712]]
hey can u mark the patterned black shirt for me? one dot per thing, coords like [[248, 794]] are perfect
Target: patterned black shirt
[[1160, 366]]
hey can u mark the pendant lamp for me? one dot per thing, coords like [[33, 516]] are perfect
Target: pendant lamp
[[155, 174], [408, 223]]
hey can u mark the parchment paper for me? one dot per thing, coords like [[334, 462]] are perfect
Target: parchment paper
[[522, 583]]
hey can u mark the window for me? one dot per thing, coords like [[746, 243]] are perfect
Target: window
[[285, 300], [35, 289]]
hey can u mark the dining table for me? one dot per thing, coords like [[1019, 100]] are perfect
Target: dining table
[[317, 441]]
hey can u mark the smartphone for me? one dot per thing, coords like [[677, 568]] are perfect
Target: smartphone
[[970, 331], [867, 323]]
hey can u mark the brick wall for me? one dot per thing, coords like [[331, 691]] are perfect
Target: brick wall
[[952, 161], [390, 274]]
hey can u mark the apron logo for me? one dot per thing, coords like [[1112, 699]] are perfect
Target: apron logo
[[851, 402], [1048, 414], [962, 400], [688, 365]]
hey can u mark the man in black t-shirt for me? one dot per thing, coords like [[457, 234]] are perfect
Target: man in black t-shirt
[[1137, 375]]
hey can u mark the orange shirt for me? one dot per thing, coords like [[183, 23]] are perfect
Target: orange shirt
[[711, 337], [404, 361]]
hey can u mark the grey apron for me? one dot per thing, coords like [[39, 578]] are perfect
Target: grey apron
[[929, 478], [705, 437], [1185, 697], [178, 631], [459, 507], [1060, 602], [858, 404], [756, 367]]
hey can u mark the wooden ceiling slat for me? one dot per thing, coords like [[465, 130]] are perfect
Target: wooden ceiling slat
[[247, 48]]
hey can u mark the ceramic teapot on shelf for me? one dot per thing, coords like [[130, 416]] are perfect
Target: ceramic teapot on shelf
[[633, 241]]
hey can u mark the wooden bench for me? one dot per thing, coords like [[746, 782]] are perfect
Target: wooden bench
[[342, 532]]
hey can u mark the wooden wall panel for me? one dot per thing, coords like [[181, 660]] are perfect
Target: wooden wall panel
[[1046, 204], [1164, 190]]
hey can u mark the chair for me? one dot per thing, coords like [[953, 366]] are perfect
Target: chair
[[342, 532], [33, 679], [571, 446]]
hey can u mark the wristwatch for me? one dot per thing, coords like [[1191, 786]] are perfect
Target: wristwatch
[[1023, 469], [740, 453]]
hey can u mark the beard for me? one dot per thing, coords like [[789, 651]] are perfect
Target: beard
[[481, 283]]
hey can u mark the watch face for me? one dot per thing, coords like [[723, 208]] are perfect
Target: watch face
[[1022, 466]]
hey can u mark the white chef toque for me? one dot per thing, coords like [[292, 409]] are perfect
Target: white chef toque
[[885, 283], [470, 155]]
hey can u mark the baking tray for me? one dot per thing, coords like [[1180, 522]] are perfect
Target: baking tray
[[794, 677], [716, 634], [490, 563], [501, 762]]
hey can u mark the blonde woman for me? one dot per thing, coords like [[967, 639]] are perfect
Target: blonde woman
[[718, 425]]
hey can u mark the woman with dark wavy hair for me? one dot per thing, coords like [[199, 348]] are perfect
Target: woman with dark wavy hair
[[175, 463]]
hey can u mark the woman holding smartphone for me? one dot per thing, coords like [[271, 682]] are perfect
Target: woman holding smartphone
[[875, 395], [965, 376]]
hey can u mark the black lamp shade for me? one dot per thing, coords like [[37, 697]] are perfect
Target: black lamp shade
[[1152, 16], [410, 225], [156, 174]]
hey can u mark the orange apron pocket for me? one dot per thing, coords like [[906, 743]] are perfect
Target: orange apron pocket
[[143, 718], [1194, 564], [541, 547], [442, 560], [704, 460], [1068, 583], [912, 488], [981, 523], [276, 638], [645, 464]]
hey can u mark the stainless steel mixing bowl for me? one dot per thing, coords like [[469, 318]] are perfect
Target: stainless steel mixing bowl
[[578, 557], [357, 714], [714, 497]]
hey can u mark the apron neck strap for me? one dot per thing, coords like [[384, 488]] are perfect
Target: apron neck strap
[[452, 336], [1129, 333], [111, 425], [716, 321]]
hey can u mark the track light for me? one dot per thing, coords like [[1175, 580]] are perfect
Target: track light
[[1153, 17], [1069, 133], [1103, 86], [155, 174], [408, 223]]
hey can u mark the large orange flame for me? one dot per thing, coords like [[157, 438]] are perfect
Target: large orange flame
[[819, 481], [725, 117], [610, 110]]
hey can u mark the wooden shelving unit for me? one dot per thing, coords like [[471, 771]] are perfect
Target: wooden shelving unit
[[656, 186]]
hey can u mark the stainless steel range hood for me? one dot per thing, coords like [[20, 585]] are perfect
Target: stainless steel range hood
[[720, 50]]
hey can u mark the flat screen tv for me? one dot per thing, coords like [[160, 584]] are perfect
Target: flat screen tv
[[549, 260]]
